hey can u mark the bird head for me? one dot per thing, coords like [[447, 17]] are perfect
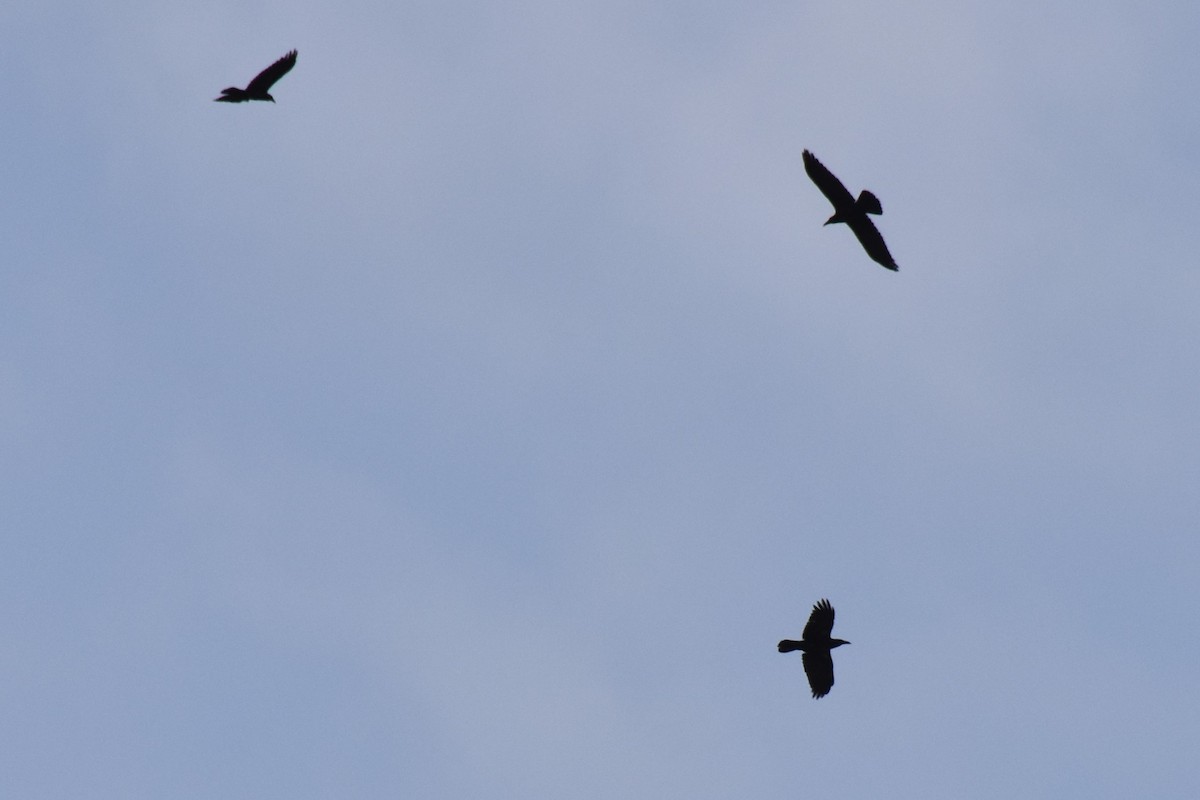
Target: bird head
[[272, 99], [837, 643], [833, 219]]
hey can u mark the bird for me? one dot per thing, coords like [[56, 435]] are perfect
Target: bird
[[850, 211], [818, 662], [257, 88]]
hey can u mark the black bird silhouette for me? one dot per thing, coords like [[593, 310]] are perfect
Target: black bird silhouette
[[257, 88], [850, 211], [818, 663]]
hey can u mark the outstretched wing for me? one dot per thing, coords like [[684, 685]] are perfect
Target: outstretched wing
[[872, 241], [828, 183], [266, 79], [819, 669], [820, 625]]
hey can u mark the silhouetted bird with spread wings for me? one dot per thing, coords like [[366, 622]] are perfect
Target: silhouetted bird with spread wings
[[257, 88], [850, 211], [818, 662]]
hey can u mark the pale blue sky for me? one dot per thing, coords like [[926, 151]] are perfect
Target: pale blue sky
[[475, 420]]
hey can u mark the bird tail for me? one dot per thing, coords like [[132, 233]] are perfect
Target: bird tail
[[868, 203], [231, 95], [787, 646]]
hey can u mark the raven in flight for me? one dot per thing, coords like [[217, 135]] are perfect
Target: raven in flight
[[257, 89], [818, 662], [850, 211]]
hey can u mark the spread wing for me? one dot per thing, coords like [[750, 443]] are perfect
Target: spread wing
[[872, 241], [266, 79], [819, 669], [828, 183], [820, 626]]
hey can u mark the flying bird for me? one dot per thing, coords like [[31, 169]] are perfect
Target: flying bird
[[257, 88], [850, 211], [818, 662]]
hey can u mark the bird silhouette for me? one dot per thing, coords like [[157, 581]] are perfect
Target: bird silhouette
[[818, 662], [257, 88], [850, 211]]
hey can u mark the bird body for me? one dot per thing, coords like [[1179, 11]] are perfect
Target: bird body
[[257, 88], [850, 211], [816, 646]]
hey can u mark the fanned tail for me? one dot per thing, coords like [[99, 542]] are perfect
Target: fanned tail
[[868, 203]]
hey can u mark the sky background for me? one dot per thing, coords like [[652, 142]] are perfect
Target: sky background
[[475, 420]]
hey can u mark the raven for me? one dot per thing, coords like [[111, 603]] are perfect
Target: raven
[[850, 211], [257, 88], [818, 662]]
